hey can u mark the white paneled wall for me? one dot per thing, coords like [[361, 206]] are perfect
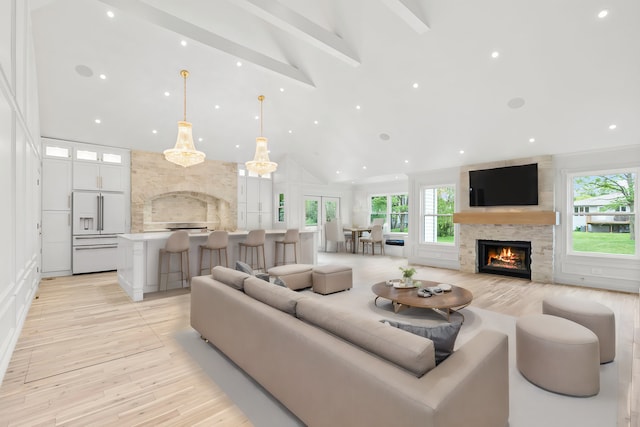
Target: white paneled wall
[[20, 161]]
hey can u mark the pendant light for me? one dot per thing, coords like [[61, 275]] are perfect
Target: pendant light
[[184, 153], [261, 164]]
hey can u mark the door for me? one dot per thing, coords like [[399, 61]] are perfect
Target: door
[[319, 210]]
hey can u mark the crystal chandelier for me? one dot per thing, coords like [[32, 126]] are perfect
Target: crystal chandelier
[[184, 153], [261, 163]]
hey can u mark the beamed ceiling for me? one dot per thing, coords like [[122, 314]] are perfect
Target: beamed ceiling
[[354, 90]]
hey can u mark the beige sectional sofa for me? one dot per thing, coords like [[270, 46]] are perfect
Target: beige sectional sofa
[[331, 367]]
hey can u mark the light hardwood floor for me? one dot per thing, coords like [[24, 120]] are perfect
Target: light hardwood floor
[[87, 355]]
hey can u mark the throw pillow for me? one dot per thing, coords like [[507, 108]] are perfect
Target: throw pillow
[[246, 268], [278, 281], [443, 336]]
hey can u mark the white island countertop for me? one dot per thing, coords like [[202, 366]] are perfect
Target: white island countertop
[[138, 256]]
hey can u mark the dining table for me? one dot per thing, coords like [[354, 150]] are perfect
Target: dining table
[[356, 233]]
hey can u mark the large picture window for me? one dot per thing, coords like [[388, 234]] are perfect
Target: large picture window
[[603, 207], [393, 209], [437, 213]]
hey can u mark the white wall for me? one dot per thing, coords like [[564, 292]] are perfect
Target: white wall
[[19, 174]]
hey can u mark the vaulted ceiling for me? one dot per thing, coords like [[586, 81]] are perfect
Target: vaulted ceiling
[[354, 89]]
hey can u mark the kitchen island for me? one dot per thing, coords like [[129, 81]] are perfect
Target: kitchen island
[[138, 256]]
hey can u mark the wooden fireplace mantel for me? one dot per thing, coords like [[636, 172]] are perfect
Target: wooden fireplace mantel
[[530, 218]]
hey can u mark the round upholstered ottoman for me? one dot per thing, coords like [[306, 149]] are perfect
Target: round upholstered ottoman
[[558, 355], [591, 315]]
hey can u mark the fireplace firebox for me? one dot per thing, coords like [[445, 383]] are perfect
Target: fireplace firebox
[[504, 258]]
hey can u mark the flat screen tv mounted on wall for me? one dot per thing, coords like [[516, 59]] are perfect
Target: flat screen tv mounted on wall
[[506, 186]]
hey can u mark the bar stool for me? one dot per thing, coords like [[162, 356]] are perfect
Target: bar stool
[[291, 237], [177, 243], [217, 241], [254, 241]]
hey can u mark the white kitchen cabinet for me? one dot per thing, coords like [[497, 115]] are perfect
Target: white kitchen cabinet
[[56, 184], [259, 205], [56, 242], [98, 177]]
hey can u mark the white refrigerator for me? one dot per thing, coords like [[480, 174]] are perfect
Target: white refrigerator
[[97, 220]]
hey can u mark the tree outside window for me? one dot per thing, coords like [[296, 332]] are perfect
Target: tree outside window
[[393, 209], [604, 209], [438, 207]]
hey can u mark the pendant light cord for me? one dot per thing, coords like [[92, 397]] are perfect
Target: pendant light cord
[[261, 98], [184, 74]]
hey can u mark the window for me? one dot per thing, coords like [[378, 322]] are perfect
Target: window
[[604, 207], [437, 211], [393, 209], [281, 207]]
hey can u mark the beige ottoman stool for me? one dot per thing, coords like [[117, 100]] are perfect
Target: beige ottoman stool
[[331, 278], [558, 355], [295, 276], [591, 315]]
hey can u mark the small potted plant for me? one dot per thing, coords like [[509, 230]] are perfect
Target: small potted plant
[[407, 275]]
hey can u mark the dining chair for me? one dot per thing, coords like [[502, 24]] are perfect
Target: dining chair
[[375, 238], [333, 233]]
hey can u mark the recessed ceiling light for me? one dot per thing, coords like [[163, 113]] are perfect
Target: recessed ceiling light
[[257, 117], [183, 42], [200, 139], [167, 94], [217, 107], [237, 145], [603, 13], [384, 136], [357, 107], [110, 14], [495, 54], [238, 64], [290, 131], [154, 131], [98, 121], [364, 167], [281, 89], [532, 140], [338, 172], [416, 85], [406, 161], [103, 76], [461, 151], [315, 122], [613, 126]]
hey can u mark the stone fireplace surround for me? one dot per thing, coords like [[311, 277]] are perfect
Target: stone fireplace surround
[[541, 235]]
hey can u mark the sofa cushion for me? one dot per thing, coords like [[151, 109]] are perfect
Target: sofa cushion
[[408, 351], [230, 277], [279, 297], [443, 336]]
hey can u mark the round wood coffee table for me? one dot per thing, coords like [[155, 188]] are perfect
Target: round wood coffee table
[[446, 302]]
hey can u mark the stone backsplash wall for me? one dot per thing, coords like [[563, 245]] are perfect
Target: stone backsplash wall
[[162, 192]]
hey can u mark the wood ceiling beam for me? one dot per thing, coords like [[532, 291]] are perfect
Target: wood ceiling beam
[[408, 12], [171, 22], [292, 22]]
